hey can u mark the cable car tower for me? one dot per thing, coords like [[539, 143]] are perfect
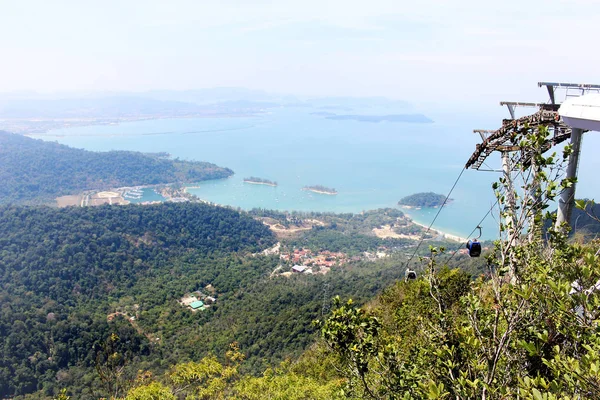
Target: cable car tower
[[505, 141]]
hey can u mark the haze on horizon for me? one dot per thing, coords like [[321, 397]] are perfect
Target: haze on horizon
[[467, 51]]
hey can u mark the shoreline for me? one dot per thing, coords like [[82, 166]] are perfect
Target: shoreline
[[23, 126], [319, 191], [446, 235], [260, 183]]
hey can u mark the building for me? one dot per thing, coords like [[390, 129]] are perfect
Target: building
[[197, 305], [299, 268]]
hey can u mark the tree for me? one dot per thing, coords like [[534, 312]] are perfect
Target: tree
[[529, 329]]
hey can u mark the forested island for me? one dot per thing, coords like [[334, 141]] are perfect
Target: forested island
[[36, 171], [425, 199], [320, 189], [259, 181]]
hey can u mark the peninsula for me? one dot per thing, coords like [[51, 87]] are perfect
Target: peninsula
[[37, 172], [259, 181], [428, 199], [320, 189]]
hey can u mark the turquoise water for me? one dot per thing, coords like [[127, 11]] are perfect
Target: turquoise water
[[372, 165], [148, 194]]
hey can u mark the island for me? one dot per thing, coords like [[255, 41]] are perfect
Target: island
[[426, 199], [320, 189], [259, 181]]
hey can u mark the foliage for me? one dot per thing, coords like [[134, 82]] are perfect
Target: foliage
[[585, 219], [284, 384], [63, 271], [528, 331], [210, 379], [34, 171], [151, 391]]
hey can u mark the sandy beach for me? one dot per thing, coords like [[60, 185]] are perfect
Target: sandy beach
[[319, 191], [260, 183], [448, 236]]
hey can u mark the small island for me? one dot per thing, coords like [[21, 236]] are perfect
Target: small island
[[320, 189], [259, 181], [428, 200]]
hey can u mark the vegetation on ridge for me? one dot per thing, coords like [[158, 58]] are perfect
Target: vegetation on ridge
[[35, 171]]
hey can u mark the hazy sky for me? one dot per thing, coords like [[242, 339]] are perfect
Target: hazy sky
[[425, 50]]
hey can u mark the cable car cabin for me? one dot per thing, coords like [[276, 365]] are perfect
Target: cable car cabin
[[474, 248], [410, 275]]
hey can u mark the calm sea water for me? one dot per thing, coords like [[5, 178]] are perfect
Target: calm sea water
[[372, 165]]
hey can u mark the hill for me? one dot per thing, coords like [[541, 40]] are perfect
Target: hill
[[428, 199], [71, 278], [62, 271], [38, 171]]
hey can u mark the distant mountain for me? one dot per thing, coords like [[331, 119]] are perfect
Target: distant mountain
[[586, 222], [174, 103], [107, 107], [27, 112], [357, 103], [38, 171], [415, 118], [217, 95]]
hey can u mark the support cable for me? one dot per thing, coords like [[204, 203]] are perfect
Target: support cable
[[473, 231], [436, 215]]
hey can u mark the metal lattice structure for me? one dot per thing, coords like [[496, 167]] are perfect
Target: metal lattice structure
[[505, 138]]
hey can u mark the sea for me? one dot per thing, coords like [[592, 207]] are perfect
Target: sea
[[371, 164]]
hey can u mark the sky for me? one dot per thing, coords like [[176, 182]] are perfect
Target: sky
[[428, 51]]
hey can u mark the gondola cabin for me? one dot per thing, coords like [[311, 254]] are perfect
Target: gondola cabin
[[410, 275], [474, 248]]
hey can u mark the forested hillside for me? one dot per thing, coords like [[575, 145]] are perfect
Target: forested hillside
[[70, 278], [38, 171], [63, 271]]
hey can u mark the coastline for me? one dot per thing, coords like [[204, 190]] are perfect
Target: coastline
[[32, 127], [319, 191], [446, 235], [260, 183]]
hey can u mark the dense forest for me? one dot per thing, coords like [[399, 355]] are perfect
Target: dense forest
[[64, 272], [444, 335], [426, 199], [35, 171]]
